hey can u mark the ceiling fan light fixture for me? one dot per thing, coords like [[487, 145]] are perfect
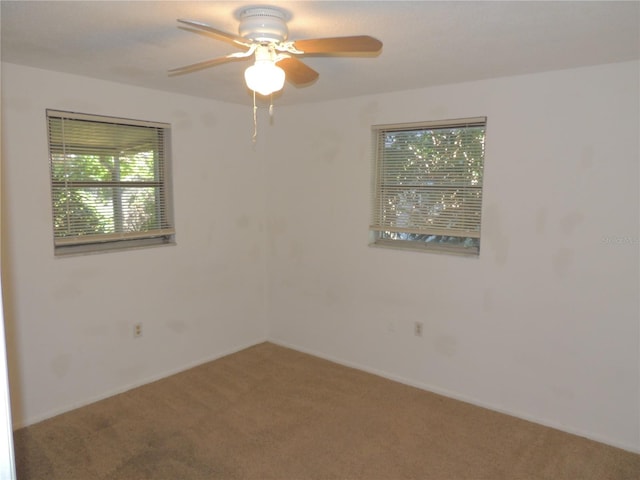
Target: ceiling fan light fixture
[[263, 33], [264, 77]]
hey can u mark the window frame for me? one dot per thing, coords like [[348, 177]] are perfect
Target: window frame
[[457, 240], [163, 233]]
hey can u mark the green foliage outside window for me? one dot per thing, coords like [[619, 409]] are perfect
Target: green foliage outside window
[[108, 181], [428, 186]]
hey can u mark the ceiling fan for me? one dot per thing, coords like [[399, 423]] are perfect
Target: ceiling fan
[[263, 33]]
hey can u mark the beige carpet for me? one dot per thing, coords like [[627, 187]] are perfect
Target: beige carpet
[[272, 413]]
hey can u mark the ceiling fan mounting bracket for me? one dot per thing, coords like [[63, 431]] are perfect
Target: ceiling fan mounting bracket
[[263, 24]]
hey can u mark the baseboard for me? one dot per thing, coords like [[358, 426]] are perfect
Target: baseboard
[[457, 396], [131, 386]]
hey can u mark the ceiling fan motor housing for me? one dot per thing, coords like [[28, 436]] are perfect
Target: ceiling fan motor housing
[[263, 24]]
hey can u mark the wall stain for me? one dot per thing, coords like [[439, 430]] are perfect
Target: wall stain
[[562, 260], [95, 330], [562, 392], [182, 119], [61, 364], [368, 114], [242, 222], [296, 250], [487, 300], [446, 345], [327, 147], [570, 222], [495, 235], [541, 221], [277, 226], [209, 119], [178, 326], [255, 254], [331, 296], [586, 161], [130, 372]]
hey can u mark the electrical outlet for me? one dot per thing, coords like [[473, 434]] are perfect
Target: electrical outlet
[[137, 330], [417, 329]]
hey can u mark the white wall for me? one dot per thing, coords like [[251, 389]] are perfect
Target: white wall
[[548, 328], [545, 323], [70, 320]]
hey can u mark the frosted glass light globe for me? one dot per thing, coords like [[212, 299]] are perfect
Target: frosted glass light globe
[[264, 77]]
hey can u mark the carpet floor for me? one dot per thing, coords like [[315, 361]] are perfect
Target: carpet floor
[[269, 412]]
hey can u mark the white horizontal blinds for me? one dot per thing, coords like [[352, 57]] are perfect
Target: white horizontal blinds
[[429, 178], [108, 178]]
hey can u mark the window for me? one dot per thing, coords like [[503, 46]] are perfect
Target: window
[[109, 182], [427, 191]]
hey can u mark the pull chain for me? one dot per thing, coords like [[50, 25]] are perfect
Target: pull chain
[[255, 119], [271, 110], [254, 138]]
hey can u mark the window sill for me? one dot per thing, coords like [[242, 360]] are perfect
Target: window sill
[[414, 246], [110, 247]]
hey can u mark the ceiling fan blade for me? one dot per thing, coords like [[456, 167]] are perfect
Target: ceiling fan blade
[[297, 72], [206, 64], [355, 44], [229, 37]]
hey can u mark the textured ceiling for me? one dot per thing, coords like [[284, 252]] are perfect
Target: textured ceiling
[[425, 43]]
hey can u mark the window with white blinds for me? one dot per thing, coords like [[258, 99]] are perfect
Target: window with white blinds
[[427, 186], [110, 182]]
